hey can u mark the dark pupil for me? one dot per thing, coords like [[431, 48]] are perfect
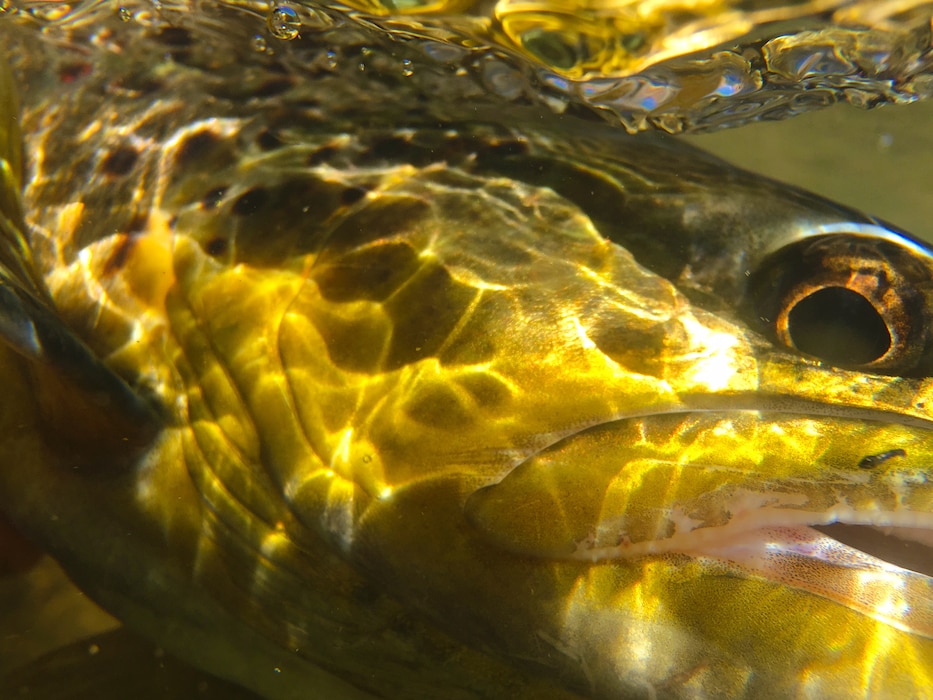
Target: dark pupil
[[839, 326]]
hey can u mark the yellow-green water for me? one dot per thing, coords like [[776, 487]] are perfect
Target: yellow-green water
[[875, 160]]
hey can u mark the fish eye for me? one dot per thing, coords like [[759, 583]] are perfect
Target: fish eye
[[838, 324], [851, 301]]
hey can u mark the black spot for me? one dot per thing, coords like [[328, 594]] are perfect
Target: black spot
[[273, 87], [216, 247], [269, 140], [213, 198], [872, 461], [391, 147], [71, 72], [352, 195], [322, 155], [138, 223], [120, 255], [120, 161], [196, 147], [372, 273], [250, 202], [306, 104], [175, 36], [503, 149]]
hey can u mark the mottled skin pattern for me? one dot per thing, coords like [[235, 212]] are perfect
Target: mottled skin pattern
[[446, 410]]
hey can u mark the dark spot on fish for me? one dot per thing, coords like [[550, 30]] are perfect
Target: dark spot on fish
[[120, 255], [195, 147], [216, 247], [462, 145], [250, 202], [503, 149], [322, 155], [213, 198], [71, 72], [273, 87], [372, 273], [137, 224], [268, 140], [391, 147], [175, 36], [352, 195], [308, 104], [872, 461], [120, 161]]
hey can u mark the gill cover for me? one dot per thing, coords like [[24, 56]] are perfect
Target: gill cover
[[84, 405]]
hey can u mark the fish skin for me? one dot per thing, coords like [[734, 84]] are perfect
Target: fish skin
[[404, 517]]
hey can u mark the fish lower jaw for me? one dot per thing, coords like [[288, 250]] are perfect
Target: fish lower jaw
[[843, 555]]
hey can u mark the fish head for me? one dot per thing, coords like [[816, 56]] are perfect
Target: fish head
[[466, 410]]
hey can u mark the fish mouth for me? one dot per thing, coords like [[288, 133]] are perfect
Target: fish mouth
[[909, 548], [785, 499], [882, 572], [879, 563]]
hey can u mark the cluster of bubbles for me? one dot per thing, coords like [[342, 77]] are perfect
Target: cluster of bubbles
[[676, 65]]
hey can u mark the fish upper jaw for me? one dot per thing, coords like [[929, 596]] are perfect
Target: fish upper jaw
[[753, 495]]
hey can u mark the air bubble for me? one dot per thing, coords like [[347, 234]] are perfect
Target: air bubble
[[407, 69], [259, 44], [283, 23], [331, 58], [124, 14]]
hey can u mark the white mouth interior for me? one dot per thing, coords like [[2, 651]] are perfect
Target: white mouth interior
[[878, 563]]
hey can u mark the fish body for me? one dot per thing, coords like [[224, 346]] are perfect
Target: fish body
[[343, 403]]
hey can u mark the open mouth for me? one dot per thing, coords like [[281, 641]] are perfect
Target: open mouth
[[906, 548], [782, 498], [884, 572]]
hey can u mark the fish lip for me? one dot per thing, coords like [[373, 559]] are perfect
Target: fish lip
[[751, 526], [784, 404], [807, 557]]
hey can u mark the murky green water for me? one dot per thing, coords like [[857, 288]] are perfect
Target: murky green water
[[876, 160]]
